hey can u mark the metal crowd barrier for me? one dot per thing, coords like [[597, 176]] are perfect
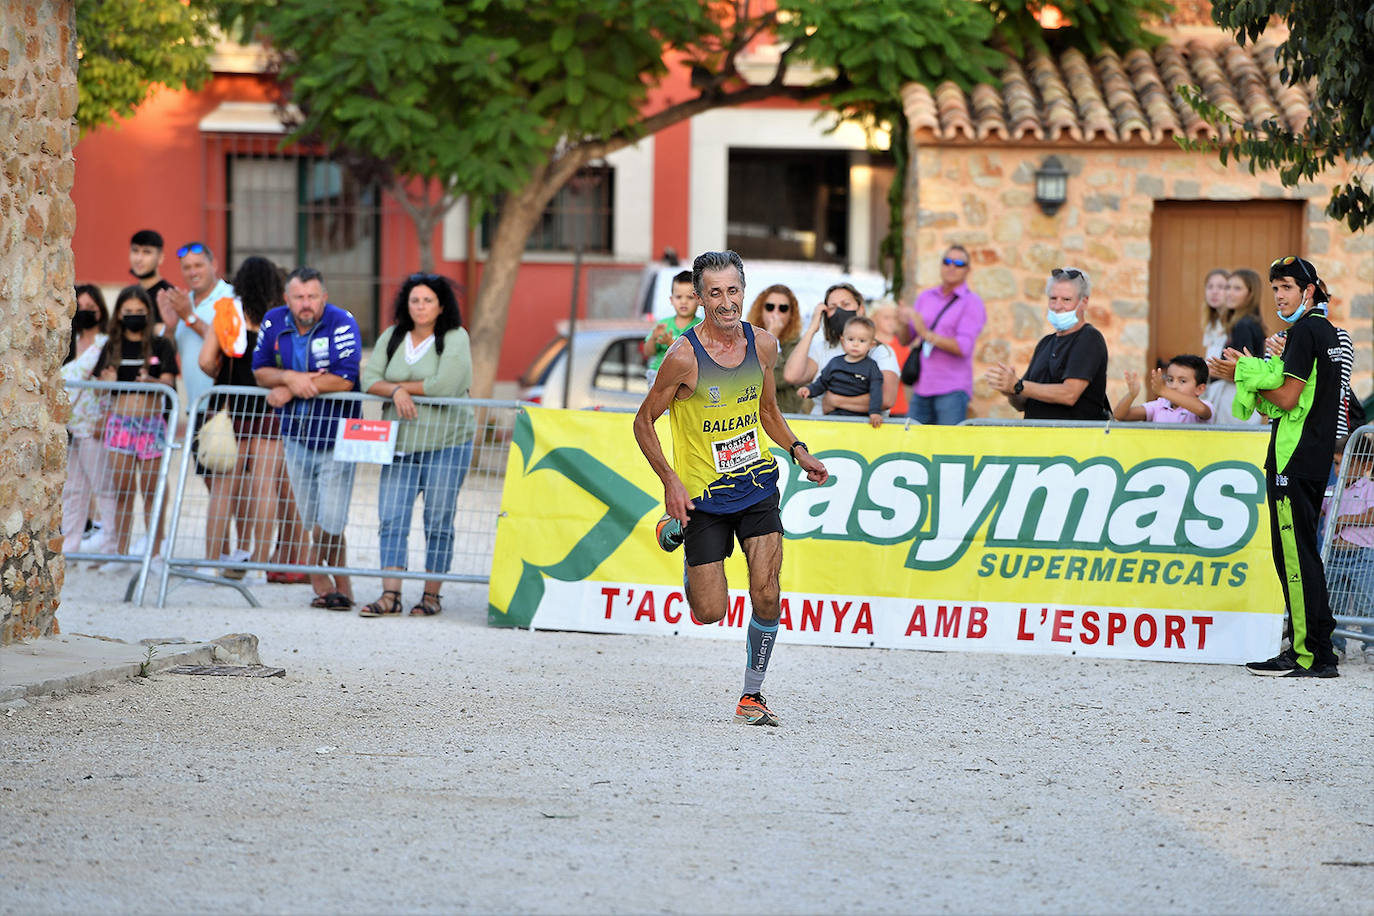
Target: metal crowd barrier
[[260, 509], [112, 462], [1348, 539]]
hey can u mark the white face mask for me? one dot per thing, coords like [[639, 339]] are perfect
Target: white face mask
[[1061, 321]]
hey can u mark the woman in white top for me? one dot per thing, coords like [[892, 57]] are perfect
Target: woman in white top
[[88, 471], [813, 351], [1215, 302]]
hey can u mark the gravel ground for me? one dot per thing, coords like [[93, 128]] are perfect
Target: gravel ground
[[420, 765]]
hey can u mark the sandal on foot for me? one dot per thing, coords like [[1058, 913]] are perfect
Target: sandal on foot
[[429, 606], [333, 601], [385, 606]]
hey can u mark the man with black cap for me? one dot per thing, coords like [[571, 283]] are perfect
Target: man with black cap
[[1301, 391], [145, 263]]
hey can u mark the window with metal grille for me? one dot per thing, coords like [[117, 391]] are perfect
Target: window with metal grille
[[302, 210], [582, 210]]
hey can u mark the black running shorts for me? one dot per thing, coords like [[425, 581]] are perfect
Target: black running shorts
[[710, 538]]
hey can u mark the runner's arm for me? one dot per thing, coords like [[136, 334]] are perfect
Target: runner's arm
[[677, 369]]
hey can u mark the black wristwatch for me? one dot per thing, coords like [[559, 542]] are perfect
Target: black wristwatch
[[1019, 386], [792, 449]]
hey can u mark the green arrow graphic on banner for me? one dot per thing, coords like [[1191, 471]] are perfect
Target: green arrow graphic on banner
[[625, 505]]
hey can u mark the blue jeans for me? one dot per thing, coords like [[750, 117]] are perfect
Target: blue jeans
[[321, 485], [940, 409], [439, 475]]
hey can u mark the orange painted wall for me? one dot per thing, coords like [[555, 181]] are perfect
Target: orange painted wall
[[150, 171]]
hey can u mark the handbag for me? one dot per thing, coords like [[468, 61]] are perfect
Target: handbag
[[911, 369], [218, 449]]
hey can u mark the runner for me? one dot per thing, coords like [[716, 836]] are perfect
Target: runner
[[716, 381]]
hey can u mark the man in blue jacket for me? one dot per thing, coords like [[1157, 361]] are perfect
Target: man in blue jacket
[[308, 348]]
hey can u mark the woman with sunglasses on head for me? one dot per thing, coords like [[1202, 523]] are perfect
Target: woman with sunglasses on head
[[942, 327], [813, 352], [88, 471], [136, 427], [775, 310], [426, 353], [1067, 376]]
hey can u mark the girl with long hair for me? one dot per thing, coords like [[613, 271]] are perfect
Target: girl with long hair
[[250, 492], [136, 428], [1244, 331], [88, 471]]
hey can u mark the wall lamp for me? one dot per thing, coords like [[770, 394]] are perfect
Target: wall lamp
[[1051, 185]]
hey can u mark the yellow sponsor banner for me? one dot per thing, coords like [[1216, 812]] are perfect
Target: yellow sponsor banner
[[1125, 542]]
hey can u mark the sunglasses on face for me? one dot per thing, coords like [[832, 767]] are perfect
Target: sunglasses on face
[[1071, 273], [1292, 259], [954, 262], [783, 307], [194, 248], [426, 279]]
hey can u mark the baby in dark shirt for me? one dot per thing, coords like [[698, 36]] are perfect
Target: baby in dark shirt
[[853, 372]]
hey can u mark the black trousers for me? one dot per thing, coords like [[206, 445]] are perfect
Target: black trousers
[[1294, 508]]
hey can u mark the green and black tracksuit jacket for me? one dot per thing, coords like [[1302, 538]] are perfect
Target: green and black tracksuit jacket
[[1297, 467]]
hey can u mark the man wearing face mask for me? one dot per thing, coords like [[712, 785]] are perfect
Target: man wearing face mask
[[1300, 390], [145, 263], [1067, 376]]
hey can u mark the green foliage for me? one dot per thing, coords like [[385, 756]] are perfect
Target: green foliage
[[127, 47], [482, 94], [1330, 47]]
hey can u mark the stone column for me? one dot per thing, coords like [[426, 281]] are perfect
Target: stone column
[[37, 121]]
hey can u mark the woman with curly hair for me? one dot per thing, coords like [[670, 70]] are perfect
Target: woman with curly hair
[[426, 353], [249, 491]]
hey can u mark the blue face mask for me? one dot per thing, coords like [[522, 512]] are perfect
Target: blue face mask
[[1289, 319], [1061, 321]]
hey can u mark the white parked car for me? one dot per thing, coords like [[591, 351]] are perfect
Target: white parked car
[[608, 368], [808, 281]]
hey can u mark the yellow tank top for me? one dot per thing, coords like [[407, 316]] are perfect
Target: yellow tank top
[[719, 448]]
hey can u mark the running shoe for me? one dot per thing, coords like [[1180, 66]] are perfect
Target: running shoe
[[1278, 666], [752, 710]]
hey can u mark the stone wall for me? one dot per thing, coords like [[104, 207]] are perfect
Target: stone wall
[[984, 198], [37, 110]]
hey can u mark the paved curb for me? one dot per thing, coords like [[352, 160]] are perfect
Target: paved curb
[[45, 667]]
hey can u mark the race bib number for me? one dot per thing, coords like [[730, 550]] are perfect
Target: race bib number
[[731, 454]]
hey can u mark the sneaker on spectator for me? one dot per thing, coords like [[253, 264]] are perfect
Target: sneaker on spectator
[[236, 556], [254, 577], [136, 548], [90, 535]]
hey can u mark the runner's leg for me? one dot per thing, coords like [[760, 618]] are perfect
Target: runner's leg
[[764, 556]]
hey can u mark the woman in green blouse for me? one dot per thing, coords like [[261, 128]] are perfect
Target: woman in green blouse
[[425, 353]]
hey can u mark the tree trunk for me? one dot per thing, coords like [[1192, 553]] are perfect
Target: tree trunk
[[519, 215], [487, 327]]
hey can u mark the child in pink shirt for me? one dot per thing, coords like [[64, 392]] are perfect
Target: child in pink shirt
[[1178, 392]]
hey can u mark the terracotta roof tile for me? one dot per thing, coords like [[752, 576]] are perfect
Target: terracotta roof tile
[[1134, 98]]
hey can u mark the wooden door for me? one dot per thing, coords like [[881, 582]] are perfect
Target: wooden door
[[1190, 238]]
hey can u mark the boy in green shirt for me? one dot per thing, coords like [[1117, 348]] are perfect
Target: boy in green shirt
[[664, 332]]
